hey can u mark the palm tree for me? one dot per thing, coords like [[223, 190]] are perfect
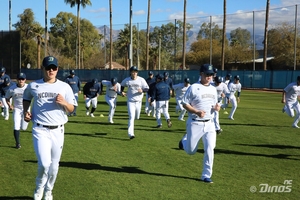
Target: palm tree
[[46, 26], [110, 34], [83, 3], [266, 35], [224, 36], [148, 32], [184, 35]]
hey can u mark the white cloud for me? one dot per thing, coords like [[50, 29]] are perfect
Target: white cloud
[[98, 10], [139, 12]]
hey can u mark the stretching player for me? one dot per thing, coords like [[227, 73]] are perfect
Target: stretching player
[[74, 82], [234, 87], [221, 91], [201, 100], [91, 91], [52, 100], [161, 95], [113, 88], [180, 90], [16, 93], [136, 86], [290, 98]]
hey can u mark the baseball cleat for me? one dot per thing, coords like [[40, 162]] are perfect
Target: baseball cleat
[[180, 119], [159, 126], [283, 110], [219, 131], [169, 123], [87, 112], [18, 146], [132, 137], [74, 114], [180, 145], [92, 115], [48, 196], [6, 118], [295, 126], [231, 118], [207, 180], [38, 194]]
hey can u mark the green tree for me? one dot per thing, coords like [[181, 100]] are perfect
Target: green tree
[[29, 30], [240, 36], [78, 3], [204, 32]]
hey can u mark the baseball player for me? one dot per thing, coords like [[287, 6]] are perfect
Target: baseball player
[[201, 100], [222, 90], [290, 98], [225, 103], [161, 95], [168, 81], [52, 101], [3, 75], [234, 87], [113, 88], [16, 93], [3, 90], [149, 80], [75, 83], [180, 90], [91, 91], [136, 86]]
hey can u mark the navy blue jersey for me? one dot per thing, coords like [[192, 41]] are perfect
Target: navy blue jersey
[[150, 80], [151, 88], [2, 78], [161, 92], [91, 90], [4, 88], [169, 82], [74, 82]]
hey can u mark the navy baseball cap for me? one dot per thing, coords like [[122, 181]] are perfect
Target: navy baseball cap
[[133, 68], [187, 80], [50, 60], [113, 81], [166, 74], [159, 76], [21, 75], [237, 77], [6, 80], [218, 79], [207, 69], [2, 70], [95, 80], [150, 73], [72, 72]]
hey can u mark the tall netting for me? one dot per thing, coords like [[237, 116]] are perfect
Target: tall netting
[[10, 52]]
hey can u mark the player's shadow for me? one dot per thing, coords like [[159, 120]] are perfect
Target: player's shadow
[[239, 153], [96, 135], [272, 146], [16, 198]]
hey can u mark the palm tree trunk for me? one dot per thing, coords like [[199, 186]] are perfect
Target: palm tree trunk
[[148, 32], [266, 35], [224, 37], [78, 35], [46, 27], [9, 7], [184, 35], [110, 34]]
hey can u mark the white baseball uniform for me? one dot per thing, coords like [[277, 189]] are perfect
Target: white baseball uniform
[[201, 97], [233, 88], [180, 90], [134, 99], [221, 89], [111, 97], [48, 119], [292, 91]]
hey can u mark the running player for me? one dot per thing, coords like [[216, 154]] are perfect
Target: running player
[[16, 93], [169, 82], [75, 83], [3, 75], [201, 100], [222, 90], [234, 87], [91, 91], [136, 86], [3, 90], [113, 88], [180, 90], [149, 80], [290, 98], [227, 81], [52, 100]]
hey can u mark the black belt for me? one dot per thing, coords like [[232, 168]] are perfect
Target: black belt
[[49, 127], [199, 120]]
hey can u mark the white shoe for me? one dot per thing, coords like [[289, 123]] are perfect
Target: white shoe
[[2, 114], [111, 121], [295, 126], [6, 118], [231, 118], [38, 194], [181, 119], [48, 196], [92, 115], [87, 112]]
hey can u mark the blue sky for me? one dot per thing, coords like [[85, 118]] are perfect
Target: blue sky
[[161, 10]]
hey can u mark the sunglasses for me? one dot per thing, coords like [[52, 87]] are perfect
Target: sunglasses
[[53, 67], [209, 74], [22, 79]]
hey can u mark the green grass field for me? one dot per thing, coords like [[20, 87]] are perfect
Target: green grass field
[[100, 162]]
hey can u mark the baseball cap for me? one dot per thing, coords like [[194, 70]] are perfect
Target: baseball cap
[[21, 75], [187, 80], [133, 68], [72, 72], [150, 73], [237, 77], [113, 81], [2, 70], [6, 80], [95, 80], [207, 69], [50, 60], [159, 76], [218, 79], [166, 74]]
